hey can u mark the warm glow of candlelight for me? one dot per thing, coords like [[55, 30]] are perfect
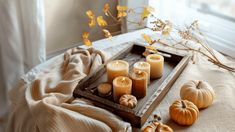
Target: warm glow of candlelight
[[121, 85], [142, 66], [123, 79], [117, 68], [139, 72]]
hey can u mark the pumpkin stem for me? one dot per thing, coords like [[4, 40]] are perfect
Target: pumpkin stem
[[199, 83], [183, 104]]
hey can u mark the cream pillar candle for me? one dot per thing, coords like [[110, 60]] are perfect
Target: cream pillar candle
[[143, 66], [121, 85], [156, 62], [117, 68], [139, 83]]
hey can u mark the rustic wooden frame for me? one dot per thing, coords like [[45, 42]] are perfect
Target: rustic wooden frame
[[136, 117]]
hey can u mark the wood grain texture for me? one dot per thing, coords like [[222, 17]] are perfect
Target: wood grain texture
[[155, 93]]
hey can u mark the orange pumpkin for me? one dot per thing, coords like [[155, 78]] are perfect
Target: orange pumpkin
[[183, 112], [157, 126]]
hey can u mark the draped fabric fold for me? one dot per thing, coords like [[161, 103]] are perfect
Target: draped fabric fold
[[47, 105]]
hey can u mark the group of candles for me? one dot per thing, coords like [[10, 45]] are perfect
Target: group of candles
[[137, 81]]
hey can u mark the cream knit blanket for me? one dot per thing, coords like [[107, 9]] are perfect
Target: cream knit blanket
[[45, 103]]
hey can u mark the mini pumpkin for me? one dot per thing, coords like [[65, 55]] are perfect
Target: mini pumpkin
[[151, 127], [199, 92], [157, 126], [128, 100], [183, 112]]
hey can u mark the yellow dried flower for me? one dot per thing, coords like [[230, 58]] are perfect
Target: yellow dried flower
[[92, 23], [106, 9], [85, 37], [91, 16], [166, 30], [101, 22], [146, 52], [121, 11], [148, 39], [147, 10], [107, 34], [150, 47]]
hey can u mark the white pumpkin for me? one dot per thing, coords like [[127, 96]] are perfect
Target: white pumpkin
[[128, 101], [199, 92]]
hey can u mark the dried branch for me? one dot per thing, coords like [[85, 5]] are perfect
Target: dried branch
[[190, 33], [218, 63]]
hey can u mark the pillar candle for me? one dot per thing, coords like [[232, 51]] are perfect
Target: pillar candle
[[139, 83], [143, 66], [104, 89], [121, 85], [156, 62], [117, 68]]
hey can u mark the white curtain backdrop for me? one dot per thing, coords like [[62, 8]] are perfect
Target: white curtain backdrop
[[22, 43]]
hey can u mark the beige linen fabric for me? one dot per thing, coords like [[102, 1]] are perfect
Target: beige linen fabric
[[45, 103]]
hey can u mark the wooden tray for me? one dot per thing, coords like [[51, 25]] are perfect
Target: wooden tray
[[156, 91]]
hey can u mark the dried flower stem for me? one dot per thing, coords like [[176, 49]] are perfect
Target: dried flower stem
[[114, 18], [186, 48], [189, 33], [112, 25], [132, 22]]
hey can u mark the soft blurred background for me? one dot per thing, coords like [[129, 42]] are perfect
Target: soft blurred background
[[216, 18], [66, 20]]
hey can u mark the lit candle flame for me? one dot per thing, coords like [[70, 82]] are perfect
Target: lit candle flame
[[116, 62], [123, 79], [139, 72]]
